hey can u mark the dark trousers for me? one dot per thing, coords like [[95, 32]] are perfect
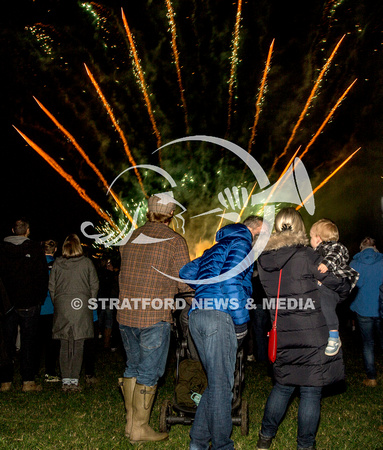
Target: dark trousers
[[28, 319], [90, 351], [50, 347], [329, 299]]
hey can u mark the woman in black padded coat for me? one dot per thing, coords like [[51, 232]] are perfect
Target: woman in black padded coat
[[301, 328]]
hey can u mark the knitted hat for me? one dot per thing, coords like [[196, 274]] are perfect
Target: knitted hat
[[161, 204]]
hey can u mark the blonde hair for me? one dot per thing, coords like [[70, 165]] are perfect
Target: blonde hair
[[326, 230], [288, 219], [72, 247]]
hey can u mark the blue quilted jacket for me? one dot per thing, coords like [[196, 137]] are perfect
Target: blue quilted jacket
[[234, 243]]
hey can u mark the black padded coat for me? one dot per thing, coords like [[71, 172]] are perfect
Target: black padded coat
[[301, 329]]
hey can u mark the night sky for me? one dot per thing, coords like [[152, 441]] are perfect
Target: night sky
[[44, 46]]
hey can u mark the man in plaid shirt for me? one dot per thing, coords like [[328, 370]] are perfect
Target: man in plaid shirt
[[324, 236], [153, 254]]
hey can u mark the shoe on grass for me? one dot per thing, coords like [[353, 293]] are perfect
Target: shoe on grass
[[370, 382], [90, 379], [31, 386], [264, 442], [51, 378], [333, 346], [5, 387]]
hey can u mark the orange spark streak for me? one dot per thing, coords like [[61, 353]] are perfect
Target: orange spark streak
[[141, 79], [68, 178], [327, 179], [260, 95], [234, 62], [115, 123], [327, 119], [85, 156], [176, 60], [309, 100], [247, 201]]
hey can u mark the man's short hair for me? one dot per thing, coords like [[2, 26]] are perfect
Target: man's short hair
[[253, 221], [367, 242], [326, 230], [50, 247], [20, 227]]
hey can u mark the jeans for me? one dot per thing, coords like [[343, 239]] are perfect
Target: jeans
[[308, 412], [146, 352], [214, 336], [329, 299], [28, 319], [368, 327]]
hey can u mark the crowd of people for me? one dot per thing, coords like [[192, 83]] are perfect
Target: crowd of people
[[47, 301]]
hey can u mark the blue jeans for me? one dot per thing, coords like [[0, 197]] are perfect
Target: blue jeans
[[368, 327], [146, 352], [28, 319], [214, 336], [308, 412]]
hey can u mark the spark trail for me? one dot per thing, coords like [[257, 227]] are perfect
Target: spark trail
[[320, 129], [69, 179], [141, 79], [86, 158], [309, 100], [327, 179], [234, 63], [118, 128], [176, 54], [260, 97]]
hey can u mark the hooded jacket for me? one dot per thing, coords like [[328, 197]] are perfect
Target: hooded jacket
[[23, 271], [369, 264], [71, 280], [234, 242], [302, 332]]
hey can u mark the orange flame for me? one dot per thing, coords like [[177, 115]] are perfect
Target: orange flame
[[85, 156], [118, 128], [327, 179], [141, 79], [68, 178]]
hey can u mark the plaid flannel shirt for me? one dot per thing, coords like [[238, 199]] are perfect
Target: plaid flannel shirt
[[335, 258], [139, 278]]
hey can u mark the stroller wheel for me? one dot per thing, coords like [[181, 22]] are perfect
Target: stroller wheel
[[244, 418], [166, 410]]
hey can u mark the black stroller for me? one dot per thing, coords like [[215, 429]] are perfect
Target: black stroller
[[178, 411]]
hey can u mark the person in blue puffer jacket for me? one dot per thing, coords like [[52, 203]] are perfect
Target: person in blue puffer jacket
[[217, 321]]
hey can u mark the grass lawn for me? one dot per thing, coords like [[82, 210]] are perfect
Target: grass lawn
[[95, 417]]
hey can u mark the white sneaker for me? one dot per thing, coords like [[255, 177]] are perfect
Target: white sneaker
[[333, 346]]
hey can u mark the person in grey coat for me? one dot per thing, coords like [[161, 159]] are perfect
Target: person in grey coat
[[72, 282]]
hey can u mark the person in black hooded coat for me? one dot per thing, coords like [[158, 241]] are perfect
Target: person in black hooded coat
[[301, 328]]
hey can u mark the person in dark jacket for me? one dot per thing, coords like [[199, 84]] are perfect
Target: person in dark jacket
[[25, 278], [217, 319], [301, 328], [369, 264], [72, 282]]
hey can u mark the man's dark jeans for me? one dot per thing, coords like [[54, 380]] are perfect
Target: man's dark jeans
[[28, 319]]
